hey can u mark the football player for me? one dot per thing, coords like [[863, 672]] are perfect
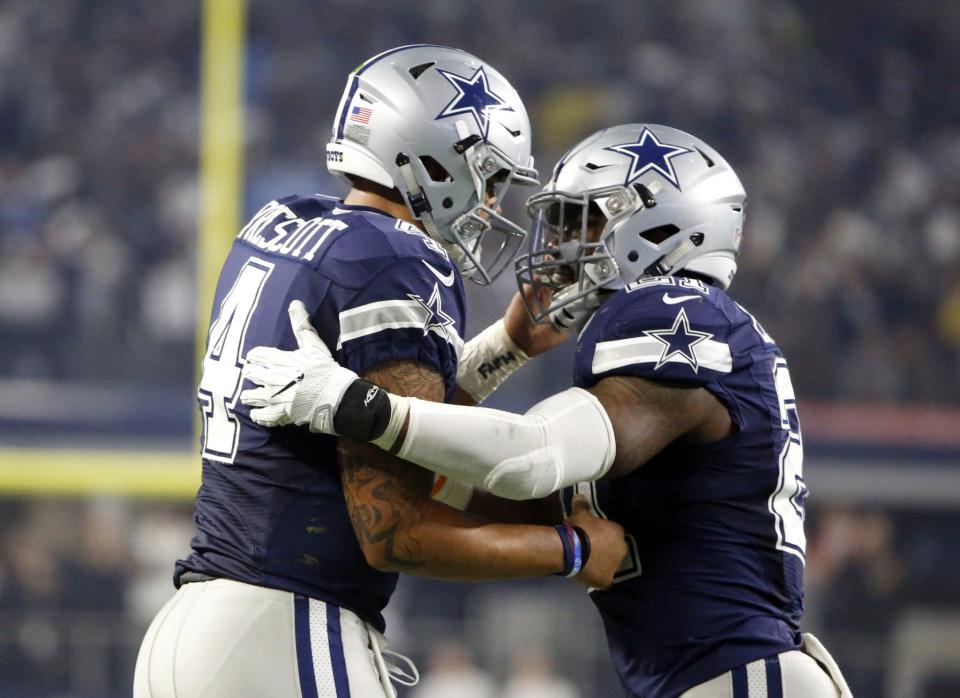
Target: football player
[[682, 423], [300, 537]]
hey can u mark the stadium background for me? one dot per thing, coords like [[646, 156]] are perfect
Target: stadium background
[[117, 121]]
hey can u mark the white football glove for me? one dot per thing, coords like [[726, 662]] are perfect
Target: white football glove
[[302, 386]]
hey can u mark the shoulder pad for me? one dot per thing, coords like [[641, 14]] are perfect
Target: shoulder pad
[[667, 328]]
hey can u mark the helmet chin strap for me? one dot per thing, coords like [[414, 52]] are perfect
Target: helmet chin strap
[[416, 197], [420, 204], [667, 263], [467, 268], [466, 146], [571, 317]]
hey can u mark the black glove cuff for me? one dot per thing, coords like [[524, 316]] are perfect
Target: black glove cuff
[[364, 411]]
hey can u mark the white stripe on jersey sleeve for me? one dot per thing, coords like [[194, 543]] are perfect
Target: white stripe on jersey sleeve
[[376, 317], [648, 350]]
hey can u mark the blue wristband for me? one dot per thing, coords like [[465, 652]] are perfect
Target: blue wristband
[[572, 550]]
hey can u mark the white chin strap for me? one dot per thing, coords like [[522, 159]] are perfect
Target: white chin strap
[[459, 256], [565, 439], [571, 317]]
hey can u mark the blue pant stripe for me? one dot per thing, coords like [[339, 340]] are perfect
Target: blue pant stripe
[[774, 680], [739, 676], [337, 659], [301, 622]]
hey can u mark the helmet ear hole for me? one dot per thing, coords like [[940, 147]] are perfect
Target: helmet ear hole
[[660, 233], [633, 255], [437, 172]]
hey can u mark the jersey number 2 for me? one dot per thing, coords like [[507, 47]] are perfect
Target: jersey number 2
[[788, 500], [221, 379]]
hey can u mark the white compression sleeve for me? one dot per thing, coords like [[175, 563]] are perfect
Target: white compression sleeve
[[563, 440], [487, 361]]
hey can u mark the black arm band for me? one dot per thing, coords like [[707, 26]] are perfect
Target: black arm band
[[364, 412]]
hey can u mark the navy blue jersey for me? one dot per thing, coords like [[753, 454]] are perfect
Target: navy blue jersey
[[714, 578], [271, 510]]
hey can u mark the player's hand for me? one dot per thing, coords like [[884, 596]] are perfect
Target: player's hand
[[532, 338], [302, 386], [607, 545]]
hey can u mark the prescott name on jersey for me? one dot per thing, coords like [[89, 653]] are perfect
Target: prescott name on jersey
[[271, 510]]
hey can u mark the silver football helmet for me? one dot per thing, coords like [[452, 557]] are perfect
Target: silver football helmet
[[630, 201], [450, 133]]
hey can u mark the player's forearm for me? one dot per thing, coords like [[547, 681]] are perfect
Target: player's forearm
[[565, 439], [457, 546], [497, 352], [400, 529], [486, 362]]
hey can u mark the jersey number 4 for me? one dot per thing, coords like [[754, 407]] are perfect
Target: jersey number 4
[[222, 364]]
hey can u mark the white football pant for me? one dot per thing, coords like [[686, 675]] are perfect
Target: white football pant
[[811, 673], [225, 639]]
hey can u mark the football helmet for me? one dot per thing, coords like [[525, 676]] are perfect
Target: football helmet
[[451, 134], [630, 201]]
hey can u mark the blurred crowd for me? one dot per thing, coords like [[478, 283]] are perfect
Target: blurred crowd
[[838, 116]]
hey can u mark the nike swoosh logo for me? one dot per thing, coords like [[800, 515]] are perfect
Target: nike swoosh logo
[[445, 279], [673, 300]]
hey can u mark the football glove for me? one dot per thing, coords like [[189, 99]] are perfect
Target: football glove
[[302, 386]]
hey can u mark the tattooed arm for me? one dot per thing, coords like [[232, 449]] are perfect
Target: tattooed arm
[[401, 529]]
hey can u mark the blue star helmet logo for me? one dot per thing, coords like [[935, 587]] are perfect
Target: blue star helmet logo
[[679, 341], [474, 98], [648, 153]]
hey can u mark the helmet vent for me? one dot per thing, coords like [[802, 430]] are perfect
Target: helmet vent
[[595, 166], [705, 157], [418, 70], [437, 172], [646, 196], [660, 233], [366, 99]]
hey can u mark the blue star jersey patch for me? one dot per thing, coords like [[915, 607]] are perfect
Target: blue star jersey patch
[[648, 153], [654, 338], [679, 341], [473, 97]]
